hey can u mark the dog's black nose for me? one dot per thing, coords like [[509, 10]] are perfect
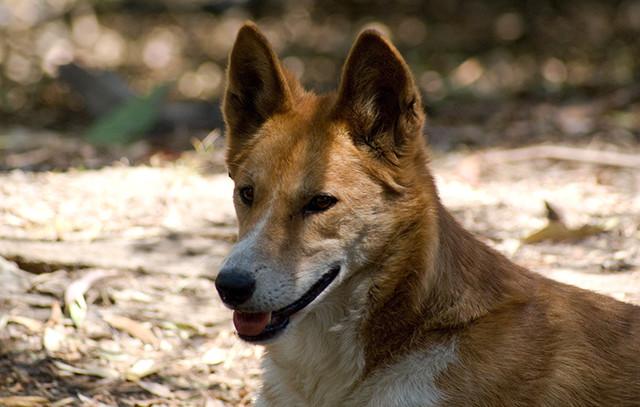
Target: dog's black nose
[[235, 286]]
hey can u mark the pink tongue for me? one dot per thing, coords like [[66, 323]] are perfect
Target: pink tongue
[[251, 323]]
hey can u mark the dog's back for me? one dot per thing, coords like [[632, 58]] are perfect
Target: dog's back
[[362, 287]]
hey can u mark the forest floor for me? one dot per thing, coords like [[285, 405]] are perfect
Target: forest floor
[[107, 295]]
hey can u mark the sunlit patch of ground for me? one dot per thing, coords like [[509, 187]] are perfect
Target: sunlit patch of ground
[[139, 246]]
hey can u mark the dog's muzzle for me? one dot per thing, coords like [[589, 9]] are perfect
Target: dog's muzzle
[[262, 326]]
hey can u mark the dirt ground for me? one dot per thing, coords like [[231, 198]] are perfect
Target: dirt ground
[[107, 295]]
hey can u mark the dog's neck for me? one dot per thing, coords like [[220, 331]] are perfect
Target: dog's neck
[[473, 279], [449, 283]]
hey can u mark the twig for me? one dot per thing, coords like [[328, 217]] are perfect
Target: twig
[[564, 153]]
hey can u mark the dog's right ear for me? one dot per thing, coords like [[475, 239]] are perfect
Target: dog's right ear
[[256, 86], [378, 97]]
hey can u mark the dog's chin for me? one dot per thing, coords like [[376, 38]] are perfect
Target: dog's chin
[[278, 321]]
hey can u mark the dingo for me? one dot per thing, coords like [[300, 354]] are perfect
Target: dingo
[[362, 287]]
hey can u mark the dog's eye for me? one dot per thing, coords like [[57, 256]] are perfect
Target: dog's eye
[[246, 195], [320, 203]]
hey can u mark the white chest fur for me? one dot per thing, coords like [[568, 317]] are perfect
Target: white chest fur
[[316, 363], [319, 364], [411, 382]]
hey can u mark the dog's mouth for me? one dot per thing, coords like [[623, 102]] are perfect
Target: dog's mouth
[[262, 326]]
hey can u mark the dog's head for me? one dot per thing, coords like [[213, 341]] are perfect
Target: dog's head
[[323, 184]]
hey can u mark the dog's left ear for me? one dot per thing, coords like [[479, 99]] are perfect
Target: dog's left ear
[[378, 97]]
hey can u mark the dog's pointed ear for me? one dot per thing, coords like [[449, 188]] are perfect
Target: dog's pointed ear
[[256, 85], [378, 97]]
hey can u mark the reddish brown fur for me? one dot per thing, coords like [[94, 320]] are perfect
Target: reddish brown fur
[[522, 340]]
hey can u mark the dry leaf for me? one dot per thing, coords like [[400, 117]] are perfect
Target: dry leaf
[[210, 402], [214, 356], [156, 389], [133, 328], [88, 371], [188, 327], [142, 368], [553, 215], [129, 294], [56, 314], [23, 401], [552, 231], [557, 232], [74, 294], [86, 401], [52, 339], [64, 402], [31, 324]]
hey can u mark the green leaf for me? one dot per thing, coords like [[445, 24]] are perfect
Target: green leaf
[[127, 123]]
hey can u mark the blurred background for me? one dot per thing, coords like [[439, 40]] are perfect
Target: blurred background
[[107, 73], [115, 206]]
